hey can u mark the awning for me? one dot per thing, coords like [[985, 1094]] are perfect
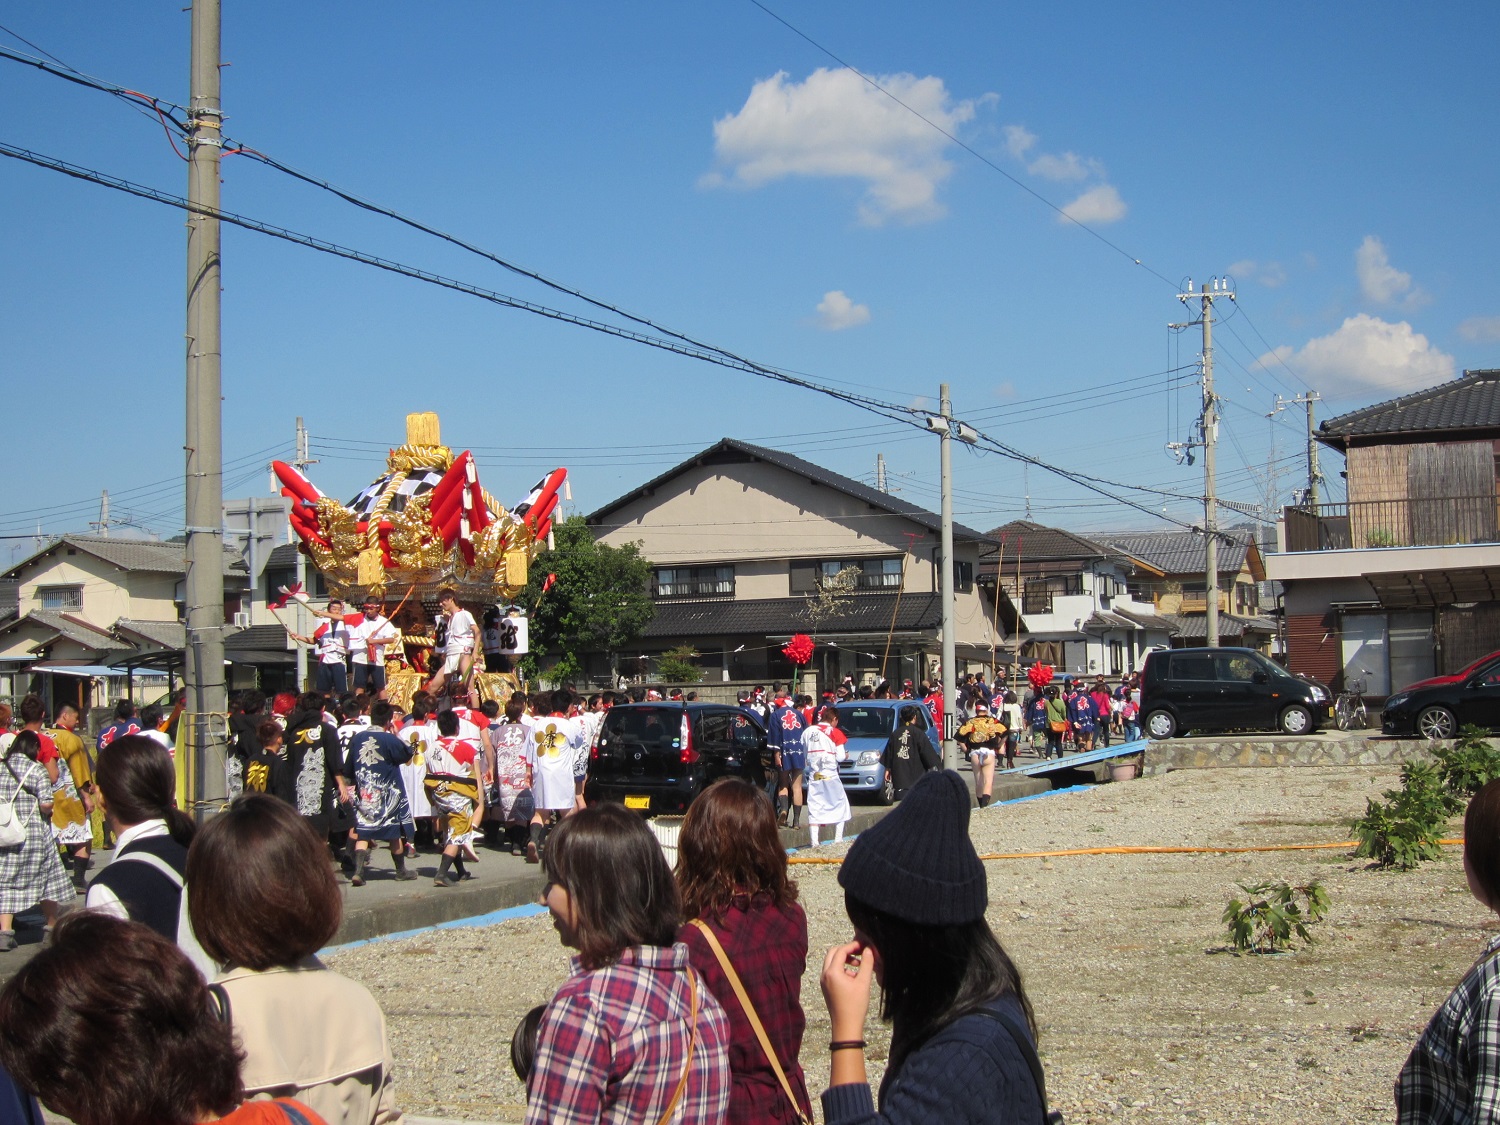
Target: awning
[[92, 670], [1414, 589]]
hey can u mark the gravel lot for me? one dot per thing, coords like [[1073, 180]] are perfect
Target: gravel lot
[[1144, 1015]]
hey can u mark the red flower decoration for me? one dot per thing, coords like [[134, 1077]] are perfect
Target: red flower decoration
[[799, 649], [1040, 675]]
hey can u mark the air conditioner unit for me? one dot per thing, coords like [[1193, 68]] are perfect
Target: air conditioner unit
[[242, 620]]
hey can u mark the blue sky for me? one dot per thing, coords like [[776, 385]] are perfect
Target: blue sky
[[704, 166]]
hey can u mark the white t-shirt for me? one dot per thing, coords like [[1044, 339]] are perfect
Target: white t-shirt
[[161, 737], [461, 630], [332, 640], [369, 639], [552, 754]]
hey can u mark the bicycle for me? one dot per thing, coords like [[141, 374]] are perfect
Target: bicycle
[[1349, 708]]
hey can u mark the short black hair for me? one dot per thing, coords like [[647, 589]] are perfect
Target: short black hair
[[447, 721], [380, 713]]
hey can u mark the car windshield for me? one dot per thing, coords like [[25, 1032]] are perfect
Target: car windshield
[[647, 725], [866, 722]]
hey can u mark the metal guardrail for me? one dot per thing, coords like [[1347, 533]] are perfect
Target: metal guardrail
[[1407, 522]]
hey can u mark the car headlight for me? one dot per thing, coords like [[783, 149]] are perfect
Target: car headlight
[[1397, 700], [869, 758], [1319, 695]]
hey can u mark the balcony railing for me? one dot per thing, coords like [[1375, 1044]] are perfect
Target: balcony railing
[[1411, 522], [1188, 601]]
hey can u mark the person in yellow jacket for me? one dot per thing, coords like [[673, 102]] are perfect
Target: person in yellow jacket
[[73, 794]]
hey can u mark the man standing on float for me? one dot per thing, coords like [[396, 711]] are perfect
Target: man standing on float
[[462, 632]]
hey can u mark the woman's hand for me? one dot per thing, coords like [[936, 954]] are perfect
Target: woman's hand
[[848, 971]]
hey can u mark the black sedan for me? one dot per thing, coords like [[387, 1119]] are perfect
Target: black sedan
[[1438, 711]]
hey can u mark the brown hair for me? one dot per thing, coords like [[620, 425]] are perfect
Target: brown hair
[[264, 893], [617, 881], [729, 846], [111, 1024], [33, 710], [269, 733], [136, 778], [1482, 840]]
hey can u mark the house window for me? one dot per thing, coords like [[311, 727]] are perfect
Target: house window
[[1040, 591], [963, 576], [1246, 599], [60, 597], [695, 581], [870, 574]]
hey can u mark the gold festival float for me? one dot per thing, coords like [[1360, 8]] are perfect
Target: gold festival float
[[423, 524]]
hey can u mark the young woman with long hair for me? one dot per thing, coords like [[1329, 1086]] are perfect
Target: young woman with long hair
[[732, 876], [632, 1035], [962, 1033]]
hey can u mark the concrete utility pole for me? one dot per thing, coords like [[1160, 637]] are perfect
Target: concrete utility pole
[[1307, 398], [950, 747], [103, 524], [301, 463], [1209, 425], [880, 473], [204, 587]]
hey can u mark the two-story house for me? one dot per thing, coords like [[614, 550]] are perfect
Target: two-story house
[[1173, 580], [1401, 581], [744, 539], [1078, 611]]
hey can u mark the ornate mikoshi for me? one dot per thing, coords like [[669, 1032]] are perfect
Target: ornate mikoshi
[[426, 522]]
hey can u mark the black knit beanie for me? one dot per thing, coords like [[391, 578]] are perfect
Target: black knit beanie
[[917, 863]]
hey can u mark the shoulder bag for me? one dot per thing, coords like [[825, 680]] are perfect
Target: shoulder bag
[[687, 1065], [749, 1009], [12, 831]]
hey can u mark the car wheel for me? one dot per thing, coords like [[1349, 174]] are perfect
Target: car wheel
[[1436, 722], [887, 793], [1161, 724], [1296, 720]]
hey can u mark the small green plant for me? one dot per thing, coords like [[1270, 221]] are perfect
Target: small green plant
[[1404, 829], [675, 666], [1467, 765], [1379, 537], [1274, 914]]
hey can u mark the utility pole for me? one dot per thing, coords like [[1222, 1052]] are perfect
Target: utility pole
[[1307, 398], [1208, 425], [103, 524], [880, 473], [944, 426], [204, 555], [301, 463]]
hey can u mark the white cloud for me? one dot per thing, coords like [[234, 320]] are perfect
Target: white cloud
[[1018, 140], [837, 312], [1269, 274], [1098, 205], [1382, 282], [835, 124], [1366, 354], [1061, 166], [1481, 329]]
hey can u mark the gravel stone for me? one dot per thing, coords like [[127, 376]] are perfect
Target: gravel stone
[[1144, 1013]]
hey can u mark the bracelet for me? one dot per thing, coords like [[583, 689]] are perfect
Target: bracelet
[[847, 1045]]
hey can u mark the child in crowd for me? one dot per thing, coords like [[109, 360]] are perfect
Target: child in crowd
[[827, 803], [266, 771]]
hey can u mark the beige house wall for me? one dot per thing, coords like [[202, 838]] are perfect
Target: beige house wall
[[153, 597], [105, 598]]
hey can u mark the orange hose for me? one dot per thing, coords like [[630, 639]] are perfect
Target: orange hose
[[1136, 850]]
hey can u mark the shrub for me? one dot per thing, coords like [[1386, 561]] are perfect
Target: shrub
[[675, 666], [1274, 914], [1404, 829], [1466, 765]]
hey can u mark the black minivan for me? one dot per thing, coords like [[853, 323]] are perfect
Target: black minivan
[[1202, 689], [656, 757]]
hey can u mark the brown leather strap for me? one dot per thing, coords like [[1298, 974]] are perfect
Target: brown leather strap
[[749, 1009], [687, 1064]]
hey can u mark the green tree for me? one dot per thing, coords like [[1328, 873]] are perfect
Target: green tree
[[675, 666], [600, 602]]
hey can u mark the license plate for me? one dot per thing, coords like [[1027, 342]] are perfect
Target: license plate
[[637, 802]]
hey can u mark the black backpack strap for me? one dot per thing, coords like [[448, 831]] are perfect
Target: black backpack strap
[[220, 1000], [1028, 1052]]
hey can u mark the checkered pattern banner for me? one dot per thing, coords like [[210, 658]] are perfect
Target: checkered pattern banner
[[416, 483]]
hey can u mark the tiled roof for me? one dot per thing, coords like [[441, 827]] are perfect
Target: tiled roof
[[283, 555], [1099, 621], [72, 628], [1148, 620], [1194, 627], [731, 451], [139, 555], [1178, 552], [1468, 403], [864, 613], [162, 634], [257, 636], [1037, 543]]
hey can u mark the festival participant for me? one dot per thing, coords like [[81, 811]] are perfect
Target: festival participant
[[1453, 1072], [266, 771], [827, 803], [746, 924], [372, 634], [962, 1029], [373, 765], [784, 738], [152, 727], [30, 872], [1055, 715], [551, 760], [458, 650], [244, 737], [456, 796], [510, 801], [73, 793], [908, 753], [1010, 715], [982, 735], [331, 641], [421, 732], [1082, 715], [264, 900], [632, 1035], [312, 753], [124, 723], [353, 713], [117, 1002]]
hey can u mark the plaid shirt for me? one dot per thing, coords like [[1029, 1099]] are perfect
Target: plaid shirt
[[767, 945], [613, 1043], [1453, 1074]]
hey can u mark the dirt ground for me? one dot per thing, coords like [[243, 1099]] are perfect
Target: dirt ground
[[1144, 1015]]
